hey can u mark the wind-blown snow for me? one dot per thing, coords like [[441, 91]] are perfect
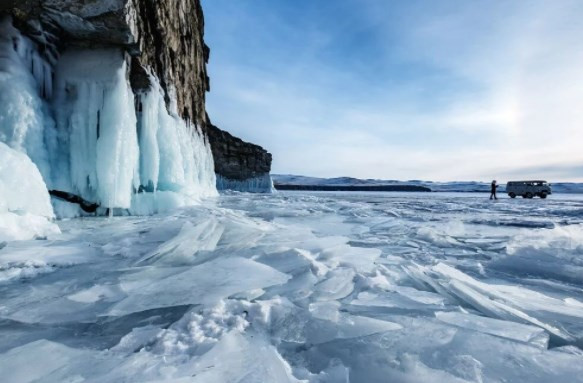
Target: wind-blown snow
[[292, 287]]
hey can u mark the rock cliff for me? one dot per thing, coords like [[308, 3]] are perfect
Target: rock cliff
[[162, 38], [236, 159]]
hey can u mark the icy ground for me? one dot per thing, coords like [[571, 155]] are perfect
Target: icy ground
[[293, 287]]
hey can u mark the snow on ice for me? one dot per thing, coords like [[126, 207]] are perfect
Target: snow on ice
[[302, 287]]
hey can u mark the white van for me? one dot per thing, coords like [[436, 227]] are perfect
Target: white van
[[528, 189]]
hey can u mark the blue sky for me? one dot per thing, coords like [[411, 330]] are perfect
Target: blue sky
[[438, 90]]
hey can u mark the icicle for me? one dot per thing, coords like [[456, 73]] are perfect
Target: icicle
[[99, 148], [96, 118], [174, 155], [23, 121]]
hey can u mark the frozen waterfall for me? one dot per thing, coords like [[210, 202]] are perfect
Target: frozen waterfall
[[78, 120], [24, 78], [96, 128]]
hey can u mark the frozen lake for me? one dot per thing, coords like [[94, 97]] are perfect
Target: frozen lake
[[303, 286]]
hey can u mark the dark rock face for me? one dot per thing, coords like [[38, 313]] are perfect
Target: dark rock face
[[170, 42], [236, 159]]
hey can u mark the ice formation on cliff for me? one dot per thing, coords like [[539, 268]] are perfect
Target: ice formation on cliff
[[96, 128], [174, 154], [79, 121], [24, 78]]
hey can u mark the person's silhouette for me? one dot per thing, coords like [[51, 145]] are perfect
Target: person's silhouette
[[493, 190]]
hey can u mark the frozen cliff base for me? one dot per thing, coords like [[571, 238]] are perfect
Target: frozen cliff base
[[239, 165], [302, 287], [260, 184]]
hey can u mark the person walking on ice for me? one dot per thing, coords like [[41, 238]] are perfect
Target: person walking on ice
[[493, 190]]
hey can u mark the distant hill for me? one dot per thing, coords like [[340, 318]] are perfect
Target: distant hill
[[296, 182]]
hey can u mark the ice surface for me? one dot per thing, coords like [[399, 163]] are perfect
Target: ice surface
[[183, 248], [509, 302], [311, 287], [35, 361], [204, 284], [505, 329], [555, 253], [330, 324], [231, 361]]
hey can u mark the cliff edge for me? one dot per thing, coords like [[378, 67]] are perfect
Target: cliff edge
[[239, 165]]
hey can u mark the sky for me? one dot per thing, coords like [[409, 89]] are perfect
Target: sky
[[434, 90]]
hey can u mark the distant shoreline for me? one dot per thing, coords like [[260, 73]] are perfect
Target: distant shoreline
[[371, 188], [297, 182]]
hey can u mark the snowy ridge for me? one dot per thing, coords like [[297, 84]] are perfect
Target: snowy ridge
[[302, 288]]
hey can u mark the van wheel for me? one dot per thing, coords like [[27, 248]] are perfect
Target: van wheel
[[512, 195], [543, 195], [529, 195]]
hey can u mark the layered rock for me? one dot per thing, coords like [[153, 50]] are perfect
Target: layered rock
[[239, 165]]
